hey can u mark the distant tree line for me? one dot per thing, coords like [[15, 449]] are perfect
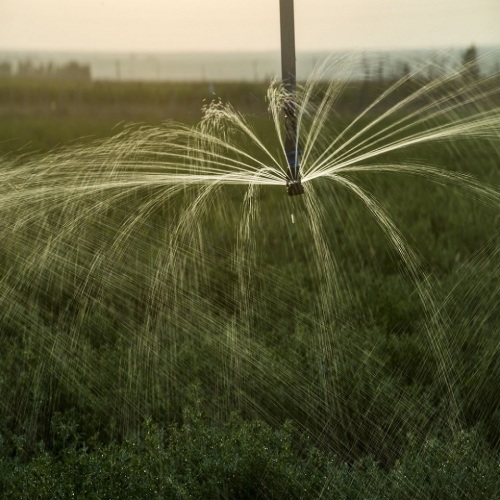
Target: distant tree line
[[373, 68], [5, 69], [27, 69], [469, 64]]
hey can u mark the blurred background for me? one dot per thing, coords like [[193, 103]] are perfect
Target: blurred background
[[71, 69], [237, 40]]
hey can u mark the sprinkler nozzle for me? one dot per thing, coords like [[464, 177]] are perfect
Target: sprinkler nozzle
[[294, 188], [293, 183]]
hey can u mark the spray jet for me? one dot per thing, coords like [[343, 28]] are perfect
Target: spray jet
[[288, 73]]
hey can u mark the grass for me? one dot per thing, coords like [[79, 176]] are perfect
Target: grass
[[203, 396], [39, 115]]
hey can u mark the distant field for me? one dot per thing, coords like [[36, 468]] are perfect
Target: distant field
[[38, 115]]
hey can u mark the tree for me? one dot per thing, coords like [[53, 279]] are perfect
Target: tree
[[470, 63], [5, 69]]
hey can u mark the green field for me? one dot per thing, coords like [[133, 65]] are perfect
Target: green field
[[171, 341]]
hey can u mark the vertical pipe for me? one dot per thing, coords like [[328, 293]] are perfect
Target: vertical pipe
[[288, 69], [289, 78]]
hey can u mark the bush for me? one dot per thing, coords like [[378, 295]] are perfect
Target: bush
[[247, 459]]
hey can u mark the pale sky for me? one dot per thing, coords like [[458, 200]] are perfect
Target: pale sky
[[250, 25]]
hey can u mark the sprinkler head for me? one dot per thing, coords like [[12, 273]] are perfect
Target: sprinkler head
[[293, 183], [294, 188]]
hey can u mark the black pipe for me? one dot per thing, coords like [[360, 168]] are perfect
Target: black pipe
[[289, 78]]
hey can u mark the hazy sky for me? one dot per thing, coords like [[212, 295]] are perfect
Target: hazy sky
[[199, 25]]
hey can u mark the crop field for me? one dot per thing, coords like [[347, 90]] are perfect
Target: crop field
[[184, 329]]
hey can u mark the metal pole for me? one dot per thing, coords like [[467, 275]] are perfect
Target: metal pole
[[289, 77], [288, 69]]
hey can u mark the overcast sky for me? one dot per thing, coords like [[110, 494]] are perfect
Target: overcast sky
[[250, 25]]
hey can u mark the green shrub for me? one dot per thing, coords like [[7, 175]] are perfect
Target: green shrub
[[248, 459]]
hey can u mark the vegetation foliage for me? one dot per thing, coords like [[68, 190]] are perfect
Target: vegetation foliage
[[220, 393]]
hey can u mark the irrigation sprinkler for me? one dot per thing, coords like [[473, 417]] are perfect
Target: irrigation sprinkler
[[288, 74]]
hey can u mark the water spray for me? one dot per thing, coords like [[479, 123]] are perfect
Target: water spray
[[288, 73]]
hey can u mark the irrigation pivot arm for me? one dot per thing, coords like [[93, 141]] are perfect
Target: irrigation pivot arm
[[289, 77]]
